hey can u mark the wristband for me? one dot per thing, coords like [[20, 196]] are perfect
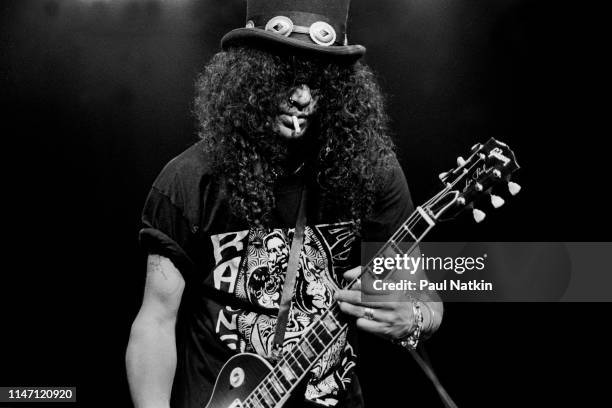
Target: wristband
[[411, 341]]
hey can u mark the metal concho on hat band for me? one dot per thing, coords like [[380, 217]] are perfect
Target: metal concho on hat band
[[320, 32]]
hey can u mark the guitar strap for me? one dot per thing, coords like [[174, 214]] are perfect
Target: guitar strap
[[289, 285]]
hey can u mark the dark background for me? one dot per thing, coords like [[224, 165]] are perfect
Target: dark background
[[97, 98]]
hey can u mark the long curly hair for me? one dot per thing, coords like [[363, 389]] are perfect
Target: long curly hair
[[238, 98]]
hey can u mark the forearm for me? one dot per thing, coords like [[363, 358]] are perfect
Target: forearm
[[151, 361]]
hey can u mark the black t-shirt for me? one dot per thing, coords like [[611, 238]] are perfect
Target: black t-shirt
[[234, 274]]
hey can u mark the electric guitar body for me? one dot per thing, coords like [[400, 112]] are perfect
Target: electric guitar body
[[239, 376]]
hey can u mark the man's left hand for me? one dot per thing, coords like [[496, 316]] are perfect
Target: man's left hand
[[393, 319]]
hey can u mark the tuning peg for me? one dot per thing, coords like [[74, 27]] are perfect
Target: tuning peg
[[513, 188], [478, 215], [442, 176], [461, 200], [497, 201], [460, 161], [478, 187]]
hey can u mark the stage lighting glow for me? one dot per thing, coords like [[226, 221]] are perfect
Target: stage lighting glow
[[165, 2]]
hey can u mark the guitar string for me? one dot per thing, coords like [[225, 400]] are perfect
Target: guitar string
[[402, 232]]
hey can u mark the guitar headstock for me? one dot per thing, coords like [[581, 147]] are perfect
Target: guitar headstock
[[489, 165]]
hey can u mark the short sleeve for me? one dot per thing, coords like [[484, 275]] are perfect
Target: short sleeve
[[170, 217], [165, 230], [393, 206]]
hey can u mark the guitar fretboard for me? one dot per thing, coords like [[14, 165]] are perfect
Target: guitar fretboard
[[294, 364]]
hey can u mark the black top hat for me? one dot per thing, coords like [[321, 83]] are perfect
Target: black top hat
[[317, 26]]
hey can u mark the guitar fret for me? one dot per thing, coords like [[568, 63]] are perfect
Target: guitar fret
[[306, 349], [322, 324], [276, 396], [334, 317], [256, 402], [423, 225], [277, 385], [317, 336], [368, 269], [302, 358], [323, 333], [267, 397], [409, 231], [394, 246], [283, 380], [330, 326], [287, 371], [297, 361]]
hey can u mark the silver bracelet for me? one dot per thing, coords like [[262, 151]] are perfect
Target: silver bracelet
[[411, 341], [432, 316]]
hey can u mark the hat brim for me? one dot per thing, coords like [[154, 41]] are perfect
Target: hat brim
[[250, 36]]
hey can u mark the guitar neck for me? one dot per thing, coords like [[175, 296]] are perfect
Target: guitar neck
[[326, 330]]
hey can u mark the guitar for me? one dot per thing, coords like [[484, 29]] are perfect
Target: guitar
[[249, 381]]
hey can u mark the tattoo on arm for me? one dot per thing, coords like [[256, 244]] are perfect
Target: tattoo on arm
[[163, 278], [155, 263]]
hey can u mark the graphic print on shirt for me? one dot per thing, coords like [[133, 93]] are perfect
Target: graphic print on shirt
[[251, 265]]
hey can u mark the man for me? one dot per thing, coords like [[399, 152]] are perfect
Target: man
[[285, 109]]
